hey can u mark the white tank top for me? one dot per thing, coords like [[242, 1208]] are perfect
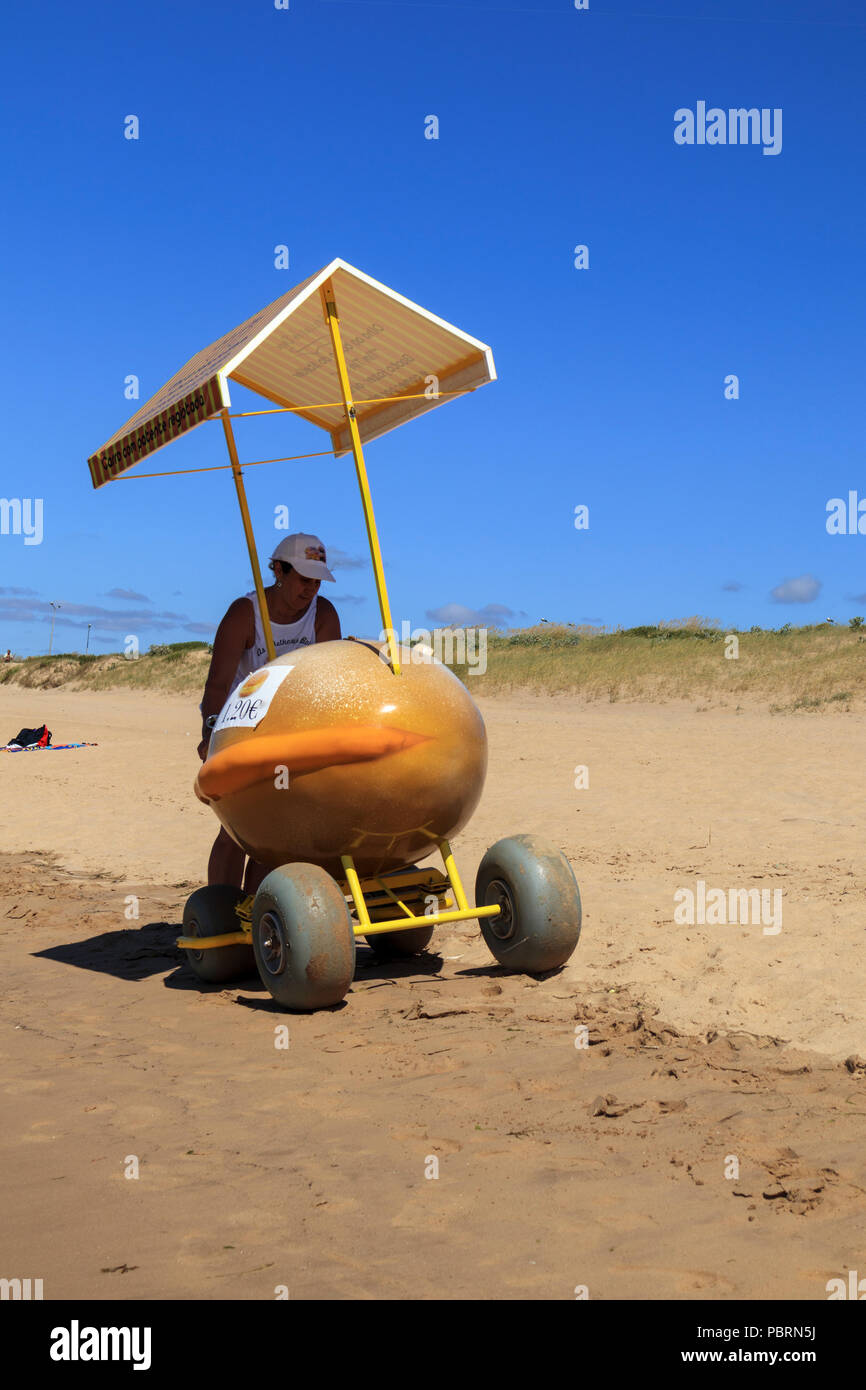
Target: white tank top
[[287, 637]]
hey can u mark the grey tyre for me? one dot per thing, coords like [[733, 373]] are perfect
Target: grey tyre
[[211, 912], [538, 927], [303, 939]]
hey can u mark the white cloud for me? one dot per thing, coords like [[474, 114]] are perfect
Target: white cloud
[[129, 594], [804, 589], [80, 615], [340, 560], [458, 615]]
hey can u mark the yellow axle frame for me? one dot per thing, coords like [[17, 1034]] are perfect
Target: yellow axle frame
[[382, 889]]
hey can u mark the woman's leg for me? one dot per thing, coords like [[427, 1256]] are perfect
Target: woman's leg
[[226, 863], [253, 876]]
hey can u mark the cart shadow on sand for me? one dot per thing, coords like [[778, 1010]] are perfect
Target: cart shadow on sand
[[138, 953]]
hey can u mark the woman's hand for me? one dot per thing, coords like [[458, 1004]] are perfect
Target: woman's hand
[[235, 634]]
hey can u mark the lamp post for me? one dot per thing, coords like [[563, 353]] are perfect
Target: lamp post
[[87, 643], [54, 607]]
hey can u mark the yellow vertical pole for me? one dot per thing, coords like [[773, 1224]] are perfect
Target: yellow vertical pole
[[248, 532], [332, 320], [355, 889], [453, 876]]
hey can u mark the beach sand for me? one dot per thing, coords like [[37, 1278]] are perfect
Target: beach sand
[[558, 1166]]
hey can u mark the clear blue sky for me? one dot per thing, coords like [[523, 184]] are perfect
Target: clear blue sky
[[306, 127]]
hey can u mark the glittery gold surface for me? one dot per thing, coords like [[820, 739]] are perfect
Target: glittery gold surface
[[387, 811]]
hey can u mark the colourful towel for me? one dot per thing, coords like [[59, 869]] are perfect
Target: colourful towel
[[52, 748]]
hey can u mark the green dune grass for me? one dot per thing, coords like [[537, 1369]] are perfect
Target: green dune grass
[[790, 668], [805, 669]]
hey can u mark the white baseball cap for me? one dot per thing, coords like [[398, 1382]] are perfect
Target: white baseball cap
[[304, 553]]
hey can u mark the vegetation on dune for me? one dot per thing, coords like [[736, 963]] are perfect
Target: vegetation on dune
[[178, 667], [805, 668], [802, 669]]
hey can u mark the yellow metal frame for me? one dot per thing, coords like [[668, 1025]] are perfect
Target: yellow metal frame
[[248, 532], [332, 319], [357, 891]]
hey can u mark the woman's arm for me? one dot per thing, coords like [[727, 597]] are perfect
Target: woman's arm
[[235, 634], [327, 622]]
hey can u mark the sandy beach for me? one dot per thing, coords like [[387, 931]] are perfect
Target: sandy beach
[[558, 1166]]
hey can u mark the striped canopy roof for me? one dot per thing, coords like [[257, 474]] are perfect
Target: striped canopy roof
[[284, 353]]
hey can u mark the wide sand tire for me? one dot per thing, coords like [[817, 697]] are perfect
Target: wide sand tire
[[211, 912], [303, 937], [538, 926]]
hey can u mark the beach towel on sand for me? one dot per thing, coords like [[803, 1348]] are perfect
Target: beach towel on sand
[[45, 747]]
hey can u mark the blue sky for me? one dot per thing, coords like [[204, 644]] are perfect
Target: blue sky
[[260, 127]]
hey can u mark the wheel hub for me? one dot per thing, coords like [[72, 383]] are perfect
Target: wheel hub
[[272, 944], [502, 926]]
